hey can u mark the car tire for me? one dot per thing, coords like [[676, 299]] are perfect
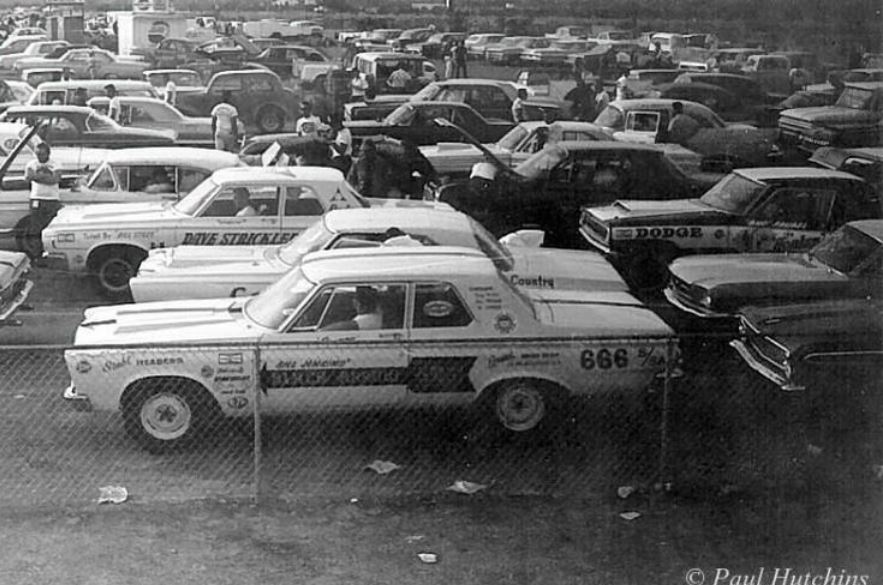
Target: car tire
[[114, 270], [168, 414], [524, 405], [270, 119], [647, 269]]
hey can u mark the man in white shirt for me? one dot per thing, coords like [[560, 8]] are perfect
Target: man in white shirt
[[399, 78], [367, 310], [242, 199], [308, 123], [225, 123], [44, 198]]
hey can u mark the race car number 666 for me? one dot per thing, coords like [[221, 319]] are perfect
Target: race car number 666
[[604, 359]]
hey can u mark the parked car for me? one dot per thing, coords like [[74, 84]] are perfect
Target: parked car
[[410, 37], [50, 92], [112, 240], [847, 263], [744, 90], [492, 98], [15, 286], [776, 209], [853, 120], [456, 159], [547, 190], [169, 53], [438, 44], [508, 51], [477, 43], [262, 101], [555, 55], [36, 76], [770, 71], [35, 49], [830, 349], [300, 323], [379, 65], [154, 114], [416, 122], [866, 163], [83, 126], [280, 58], [13, 45], [642, 83], [91, 63], [724, 146], [187, 272]]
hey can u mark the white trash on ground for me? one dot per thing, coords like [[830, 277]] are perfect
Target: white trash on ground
[[630, 515], [112, 494], [382, 467], [428, 558], [466, 487]]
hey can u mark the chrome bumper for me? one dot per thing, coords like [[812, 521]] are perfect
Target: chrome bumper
[[746, 354], [78, 402], [17, 302]]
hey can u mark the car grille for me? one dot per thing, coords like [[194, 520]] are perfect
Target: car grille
[[596, 227], [687, 295], [765, 350], [11, 292]]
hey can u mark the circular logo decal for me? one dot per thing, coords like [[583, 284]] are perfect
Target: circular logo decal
[[84, 367], [207, 371], [438, 309], [158, 31], [238, 402], [719, 234], [505, 323]]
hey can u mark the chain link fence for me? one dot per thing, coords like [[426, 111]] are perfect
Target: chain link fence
[[710, 425]]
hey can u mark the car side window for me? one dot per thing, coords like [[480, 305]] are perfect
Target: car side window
[[228, 82], [349, 307], [436, 305], [188, 179], [152, 179], [797, 208], [62, 128], [259, 83], [138, 114], [263, 201], [301, 201], [104, 180]]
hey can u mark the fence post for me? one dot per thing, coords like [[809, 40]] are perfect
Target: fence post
[[258, 441], [666, 405]]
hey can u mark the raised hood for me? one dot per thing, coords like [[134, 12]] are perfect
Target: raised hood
[[623, 211], [115, 213], [167, 322], [196, 256], [613, 314], [555, 269]]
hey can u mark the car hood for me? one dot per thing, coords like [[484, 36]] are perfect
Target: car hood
[[174, 321], [556, 269], [605, 313], [197, 256], [797, 324], [114, 214], [831, 115], [636, 211], [757, 276]]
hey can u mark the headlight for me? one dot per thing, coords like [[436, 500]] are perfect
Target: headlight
[[706, 301], [63, 238]]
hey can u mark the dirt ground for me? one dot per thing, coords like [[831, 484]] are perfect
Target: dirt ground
[[477, 539]]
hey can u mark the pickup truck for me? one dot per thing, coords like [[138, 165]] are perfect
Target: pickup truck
[[853, 120], [259, 96]]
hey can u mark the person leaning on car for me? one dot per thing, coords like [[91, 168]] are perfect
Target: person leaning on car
[[44, 200], [682, 127]]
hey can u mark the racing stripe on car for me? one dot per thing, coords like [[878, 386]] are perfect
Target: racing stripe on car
[[439, 374], [422, 376]]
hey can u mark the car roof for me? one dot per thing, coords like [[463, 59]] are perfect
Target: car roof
[[405, 218], [764, 174], [93, 83], [84, 110], [872, 227], [167, 155], [270, 174], [579, 145], [474, 81], [871, 85], [166, 71], [398, 262], [388, 55]]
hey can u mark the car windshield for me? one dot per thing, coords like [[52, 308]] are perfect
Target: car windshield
[[855, 98], [271, 307], [513, 138], [194, 200], [611, 117], [542, 162], [311, 239], [618, 36], [100, 123], [183, 79], [733, 194], [845, 249]]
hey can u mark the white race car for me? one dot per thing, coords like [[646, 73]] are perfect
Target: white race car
[[112, 240], [364, 328], [217, 271]]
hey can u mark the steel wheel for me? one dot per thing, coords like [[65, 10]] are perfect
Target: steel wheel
[[166, 416], [520, 406], [271, 120]]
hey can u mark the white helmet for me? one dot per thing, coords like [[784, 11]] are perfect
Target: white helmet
[[483, 170]]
